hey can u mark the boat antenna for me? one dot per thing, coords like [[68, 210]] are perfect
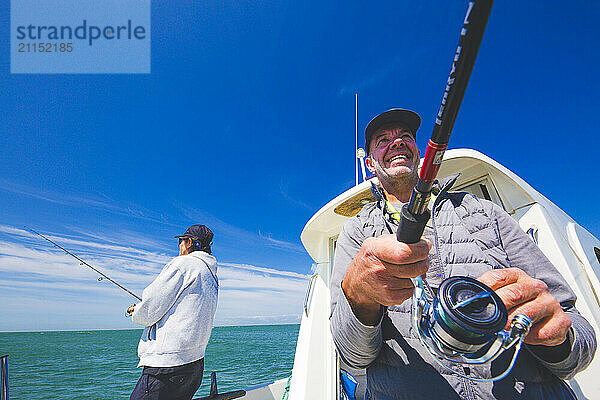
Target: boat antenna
[[81, 262], [356, 162], [361, 154]]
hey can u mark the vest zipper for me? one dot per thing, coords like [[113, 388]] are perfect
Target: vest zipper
[[436, 238]]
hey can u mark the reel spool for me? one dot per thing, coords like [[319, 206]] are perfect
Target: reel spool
[[467, 314], [464, 324]]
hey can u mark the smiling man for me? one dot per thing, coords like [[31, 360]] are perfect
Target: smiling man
[[393, 152], [371, 288]]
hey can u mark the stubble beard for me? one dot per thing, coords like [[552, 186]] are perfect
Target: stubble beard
[[399, 183]]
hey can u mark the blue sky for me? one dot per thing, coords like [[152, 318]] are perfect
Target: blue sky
[[246, 124]]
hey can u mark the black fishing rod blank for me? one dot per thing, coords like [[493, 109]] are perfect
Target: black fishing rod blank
[[103, 276], [415, 214], [463, 322]]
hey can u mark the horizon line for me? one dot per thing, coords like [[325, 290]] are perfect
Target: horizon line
[[134, 329]]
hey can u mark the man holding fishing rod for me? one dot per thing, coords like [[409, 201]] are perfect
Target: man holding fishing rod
[[371, 283], [482, 274], [177, 309]]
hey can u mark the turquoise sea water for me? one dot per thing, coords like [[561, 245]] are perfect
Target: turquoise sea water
[[102, 364]]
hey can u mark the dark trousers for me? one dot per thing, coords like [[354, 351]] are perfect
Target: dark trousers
[[169, 383]]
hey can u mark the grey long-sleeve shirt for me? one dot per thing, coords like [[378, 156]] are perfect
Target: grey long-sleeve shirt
[[471, 236]]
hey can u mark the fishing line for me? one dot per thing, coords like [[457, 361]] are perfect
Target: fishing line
[[82, 262]]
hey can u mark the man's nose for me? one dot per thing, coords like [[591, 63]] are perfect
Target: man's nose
[[398, 142]]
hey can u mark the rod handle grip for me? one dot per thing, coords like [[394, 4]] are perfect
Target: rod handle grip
[[411, 226]]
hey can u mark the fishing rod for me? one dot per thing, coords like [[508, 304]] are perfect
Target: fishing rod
[[103, 276], [464, 321], [415, 214]]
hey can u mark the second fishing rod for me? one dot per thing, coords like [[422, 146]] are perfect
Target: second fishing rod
[[82, 262]]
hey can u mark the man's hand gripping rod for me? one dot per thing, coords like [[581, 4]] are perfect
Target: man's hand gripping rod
[[415, 214]]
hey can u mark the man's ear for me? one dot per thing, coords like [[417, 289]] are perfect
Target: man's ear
[[369, 164]]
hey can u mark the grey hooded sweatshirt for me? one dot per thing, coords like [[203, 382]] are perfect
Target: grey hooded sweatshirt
[[470, 236], [177, 309]]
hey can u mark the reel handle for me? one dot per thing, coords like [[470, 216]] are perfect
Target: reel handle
[[519, 326]]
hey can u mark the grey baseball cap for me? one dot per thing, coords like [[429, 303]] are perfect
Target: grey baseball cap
[[409, 118]]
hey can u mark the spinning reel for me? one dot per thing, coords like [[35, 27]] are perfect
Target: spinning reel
[[464, 322]]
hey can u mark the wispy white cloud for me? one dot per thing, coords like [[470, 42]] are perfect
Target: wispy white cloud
[[279, 244], [379, 75], [238, 234], [84, 242], [49, 282], [284, 190], [96, 201], [123, 236], [270, 271]]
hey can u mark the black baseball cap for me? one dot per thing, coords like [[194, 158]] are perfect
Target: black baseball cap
[[199, 233], [409, 118]]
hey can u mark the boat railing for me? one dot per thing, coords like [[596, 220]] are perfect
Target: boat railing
[[308, 291], [4, 377]]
